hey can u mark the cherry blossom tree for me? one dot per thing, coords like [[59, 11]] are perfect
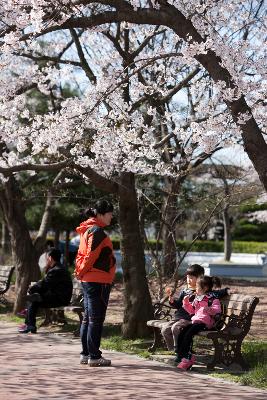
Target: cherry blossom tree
[[225, 37]]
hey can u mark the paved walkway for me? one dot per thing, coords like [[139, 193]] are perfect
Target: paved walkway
[[45, 366]]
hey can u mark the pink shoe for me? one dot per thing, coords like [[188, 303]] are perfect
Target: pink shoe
[[185, 364], [22, 313]]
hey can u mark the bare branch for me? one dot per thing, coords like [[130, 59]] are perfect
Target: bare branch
[[179, 86], [98, 180], [36, 167], [55, 60], [84, 64]]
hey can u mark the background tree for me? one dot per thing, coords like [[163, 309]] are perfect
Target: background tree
[[252, 223]]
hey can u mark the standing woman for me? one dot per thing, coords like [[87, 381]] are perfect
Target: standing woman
[[95, 268]]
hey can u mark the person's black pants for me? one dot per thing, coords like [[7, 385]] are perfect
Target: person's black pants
[[185, 339], [33, 308]]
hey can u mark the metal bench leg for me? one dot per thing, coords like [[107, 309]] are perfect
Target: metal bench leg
[[60, 317], [157, 340], [217, 355], [237, 355], [54, 316], [227, 352], [76, 333], [48, 317]]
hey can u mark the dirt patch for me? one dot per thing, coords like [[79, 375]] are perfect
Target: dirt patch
[[258, 328]]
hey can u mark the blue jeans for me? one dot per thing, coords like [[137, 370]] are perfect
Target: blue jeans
[[96, 296]]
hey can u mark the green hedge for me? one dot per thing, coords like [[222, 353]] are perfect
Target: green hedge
[[211, 246]]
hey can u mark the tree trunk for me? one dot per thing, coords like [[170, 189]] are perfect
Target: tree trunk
[[5, 241], [56, 239], [169, 216], [26, 262], [138, 305], [66, 249], [23, 252], [39, 243], [227, 235]]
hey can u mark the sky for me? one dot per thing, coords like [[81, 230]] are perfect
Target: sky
[[233, 155]]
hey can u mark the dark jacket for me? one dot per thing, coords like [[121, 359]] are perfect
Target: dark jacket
[[181, 313], [178, 304], [55, 288]]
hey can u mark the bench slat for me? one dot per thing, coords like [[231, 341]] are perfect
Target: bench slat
[[6, 272], [77, 293], [157, 323]]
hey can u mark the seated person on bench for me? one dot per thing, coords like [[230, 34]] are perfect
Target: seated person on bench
[[54, 290]]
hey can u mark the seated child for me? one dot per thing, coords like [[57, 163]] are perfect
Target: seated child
[[203, 307], [181, 318]]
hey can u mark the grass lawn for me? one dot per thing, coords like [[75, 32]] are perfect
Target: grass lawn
[[254, 352]]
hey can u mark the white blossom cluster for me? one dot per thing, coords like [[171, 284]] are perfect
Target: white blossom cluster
[[99, 128], [259, 216]]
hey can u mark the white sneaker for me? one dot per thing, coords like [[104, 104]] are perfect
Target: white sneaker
[[99, 362], [84, 359]]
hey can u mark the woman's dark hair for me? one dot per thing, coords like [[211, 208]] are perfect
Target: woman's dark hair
[[55, 254], [216, 282], [49, 244], [208, 282], [100, 207], [195, 270]]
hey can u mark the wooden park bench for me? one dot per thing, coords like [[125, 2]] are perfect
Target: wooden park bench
[[238, 311], [6, 272], [57, 314]]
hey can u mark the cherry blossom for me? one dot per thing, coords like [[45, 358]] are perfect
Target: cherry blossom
[[99, 121]]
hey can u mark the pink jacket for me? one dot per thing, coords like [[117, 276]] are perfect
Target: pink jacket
[[202, 312]]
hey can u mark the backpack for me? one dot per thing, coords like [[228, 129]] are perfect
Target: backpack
[[103, 261], [219, 319], [79, 259]]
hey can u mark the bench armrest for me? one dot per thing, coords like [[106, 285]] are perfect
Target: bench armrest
[[162, 311]]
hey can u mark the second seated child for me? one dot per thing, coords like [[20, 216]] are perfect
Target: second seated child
[[203, 307], [181, 318]]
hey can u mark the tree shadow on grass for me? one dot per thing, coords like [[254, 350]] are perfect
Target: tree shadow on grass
[[112, 330]]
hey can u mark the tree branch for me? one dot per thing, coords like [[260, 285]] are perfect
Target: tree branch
[[98, 180], [84, 64], [36, 167]]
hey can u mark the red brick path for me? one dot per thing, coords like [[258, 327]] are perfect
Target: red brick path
[[46, 366]]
